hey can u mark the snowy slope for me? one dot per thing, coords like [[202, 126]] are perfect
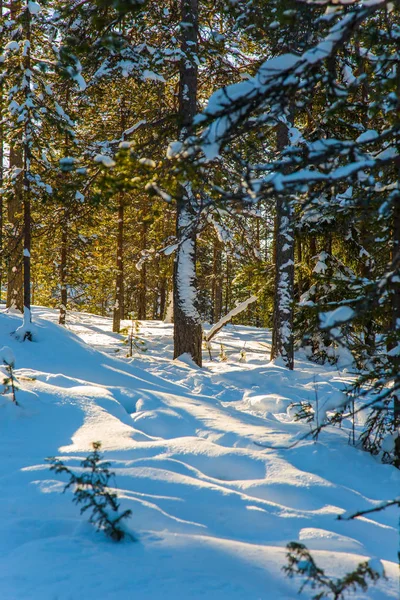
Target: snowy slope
[[212, 509]]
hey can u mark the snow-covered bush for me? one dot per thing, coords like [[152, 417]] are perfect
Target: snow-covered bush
[[91, 489]]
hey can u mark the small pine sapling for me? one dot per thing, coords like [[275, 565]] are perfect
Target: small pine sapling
[[134, 340], [222, 354], [91, 489], [10, 382], [300, 562], [243, 355]]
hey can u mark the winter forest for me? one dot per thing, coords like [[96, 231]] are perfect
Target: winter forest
[[199, 299]]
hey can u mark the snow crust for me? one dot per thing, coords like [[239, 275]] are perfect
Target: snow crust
[[213, 509]]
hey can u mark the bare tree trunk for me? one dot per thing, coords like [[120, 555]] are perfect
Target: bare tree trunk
[[162, 287], [118, 312], [227, 283], [63, 270], [1, 174], [187, 324], [282, 332], [15, 242], [27, 175], [14, 215], [142, 295], [300, 280], [217, 282], [396, 301]]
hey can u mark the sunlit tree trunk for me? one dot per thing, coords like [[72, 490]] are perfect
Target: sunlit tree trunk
[[187, 324], [118, 311], [282, 332]]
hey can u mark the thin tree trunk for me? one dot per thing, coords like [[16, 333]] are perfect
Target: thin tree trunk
[[227, 284], [396, 302], [1, 174], [282, 333], [15, 298], [118, 312], [142, 296], [63, 270], [187, 324], [217, 282], [15, 242], [162, 287]]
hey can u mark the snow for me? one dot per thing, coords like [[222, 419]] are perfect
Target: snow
[[342, 314], [201, 457], [105, 160], [27, 328], [151, 75], [7, 356], [34, 8]]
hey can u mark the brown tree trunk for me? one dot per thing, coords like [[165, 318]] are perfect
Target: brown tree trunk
[[282, 331], [187, 324], [118, 312], [15, 243], [162, 286], [142, 295], [300, 280], [1, 175], [217, 282], [227, 284], [63, 271], [27, 174], [396, 302], [15, 297]]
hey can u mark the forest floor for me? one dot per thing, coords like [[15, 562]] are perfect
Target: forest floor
[[212, 509]]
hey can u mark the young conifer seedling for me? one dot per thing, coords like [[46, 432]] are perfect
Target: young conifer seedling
[[301, 562], [10, 382], [92, 491]]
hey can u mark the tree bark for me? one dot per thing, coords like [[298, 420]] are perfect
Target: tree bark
[[396, 304], [187, 324], [1, 175], [63, 270], [15, 242], [142, 295], [27, 172], [118, 312], [217, 282], [282, 332]]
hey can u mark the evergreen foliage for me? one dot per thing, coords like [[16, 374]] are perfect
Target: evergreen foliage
[[301, 563], [10, 382], [91, 490], [285, 184]]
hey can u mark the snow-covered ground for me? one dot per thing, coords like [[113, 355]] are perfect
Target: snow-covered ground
[[212, 508]]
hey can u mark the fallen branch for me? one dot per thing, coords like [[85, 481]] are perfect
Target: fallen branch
[[227, 318]]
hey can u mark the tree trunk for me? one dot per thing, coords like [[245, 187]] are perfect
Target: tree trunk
[[118, 312], [14, 214], [227, 284], [15, 241], [63, 270], [396, 303], [142, 296], [1, 174], [282, 332], [162, 286], [217, 282], [187, 324], [27, 173]]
